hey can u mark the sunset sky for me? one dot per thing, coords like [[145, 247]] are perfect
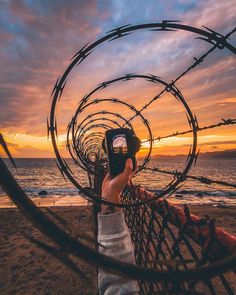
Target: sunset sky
[[38, 38]]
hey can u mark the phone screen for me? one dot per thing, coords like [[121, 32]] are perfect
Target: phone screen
[[119, 144]]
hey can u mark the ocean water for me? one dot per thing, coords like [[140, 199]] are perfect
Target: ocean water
[[35, 175], [192, 191]]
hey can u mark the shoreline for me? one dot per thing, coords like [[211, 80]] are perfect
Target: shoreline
[[61, 201], [47, 201], [225, 216]]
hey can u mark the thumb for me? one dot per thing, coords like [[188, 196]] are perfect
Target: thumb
[[128, 168]]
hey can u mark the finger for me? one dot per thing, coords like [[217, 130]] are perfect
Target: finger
[[106, 178], [128, 169], [135, 169]]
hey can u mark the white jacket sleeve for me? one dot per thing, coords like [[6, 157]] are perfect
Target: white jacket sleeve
[[114, 234]]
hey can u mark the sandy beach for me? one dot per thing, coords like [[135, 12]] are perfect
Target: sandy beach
[[47, 201], [27, 269], [225, 217]]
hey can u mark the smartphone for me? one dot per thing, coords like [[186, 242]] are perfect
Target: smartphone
[[119, 146]]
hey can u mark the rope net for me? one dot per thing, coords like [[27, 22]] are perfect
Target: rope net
[[169, 238]]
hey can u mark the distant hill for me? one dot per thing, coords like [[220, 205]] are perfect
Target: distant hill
[[223, 154], [228, 154]]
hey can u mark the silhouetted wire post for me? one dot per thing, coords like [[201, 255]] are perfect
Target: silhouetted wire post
[[99, 174]]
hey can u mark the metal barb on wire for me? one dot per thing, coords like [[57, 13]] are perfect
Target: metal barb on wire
[[223, 122], [197, 61], [201, 179]]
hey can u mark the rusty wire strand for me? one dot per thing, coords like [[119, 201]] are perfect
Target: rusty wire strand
[[183, 177], [177, 133], [197, 61]]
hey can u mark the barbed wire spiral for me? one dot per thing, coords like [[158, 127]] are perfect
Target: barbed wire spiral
[[84, 147]]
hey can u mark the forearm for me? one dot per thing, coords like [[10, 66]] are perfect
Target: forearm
[[114, 235]]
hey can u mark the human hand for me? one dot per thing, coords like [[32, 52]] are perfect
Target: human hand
[[113, 187]]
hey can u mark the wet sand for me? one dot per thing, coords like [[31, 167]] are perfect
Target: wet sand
[[27, 269], [46, 201]]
